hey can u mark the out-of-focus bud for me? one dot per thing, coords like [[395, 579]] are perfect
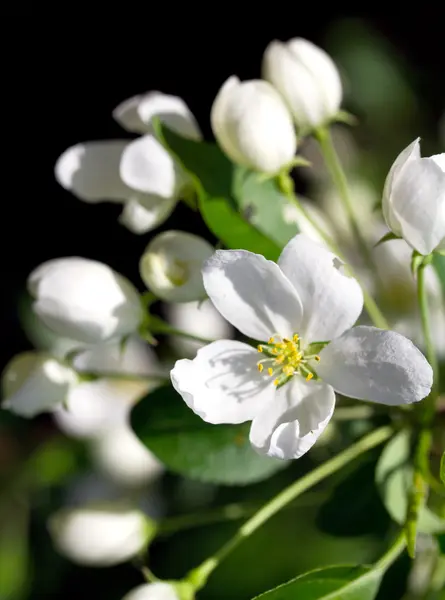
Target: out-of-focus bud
[[160, 590], [253, 125], [307, 78], [84, 300], [414, 199], [171, 266], [100, 535], [136, 114], [35, 382]]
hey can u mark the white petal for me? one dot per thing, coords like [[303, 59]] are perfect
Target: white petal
[[439, 159], [152, 591], [222, 384], [252, 293], [146, 213], [376, 365], [91, 171], [290, 425], [136, 114], [147, 167], [35, 382], [332, 301]]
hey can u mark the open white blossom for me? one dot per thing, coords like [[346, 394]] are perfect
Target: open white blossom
[[414, 199], [253, 126], [301, 310], [100, 534], [160, 590], [35, 382], [171, 266], [84, 300], [307, 78], [136, 114]]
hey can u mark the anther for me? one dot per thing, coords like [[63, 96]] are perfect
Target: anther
[[270, 371], [271, 340], [260, 367], [260, 348], [317, 358], [295, 338], [309, 376], [276, 382]]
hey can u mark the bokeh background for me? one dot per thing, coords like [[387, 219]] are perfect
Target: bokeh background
[[64, 75]]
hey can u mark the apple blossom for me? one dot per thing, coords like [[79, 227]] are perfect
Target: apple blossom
[[100, 534], [159, 590], [171, 266], [35, 382], [253, 126], [414, 199], [301, 310], [84, 300], [307, 78]]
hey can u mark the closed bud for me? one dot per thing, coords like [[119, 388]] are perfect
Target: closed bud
[[84, 300], [253, 126], [160, 590], [414, 199], [171, 266], [307, 78], [35, 382]]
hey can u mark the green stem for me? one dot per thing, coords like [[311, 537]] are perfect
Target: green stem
[[158, 325], [200, 575], [93, 375], [392, 553], [335, 168]]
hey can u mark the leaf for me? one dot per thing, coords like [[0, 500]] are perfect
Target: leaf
[[394, 477], [188, 445], [442, 468], [387, 238], [215, 177], [350, 582]]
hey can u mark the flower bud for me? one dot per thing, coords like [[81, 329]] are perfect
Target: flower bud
[[136, 114], [171, 266], [84, 300], [35, 382], [100, 535], [414, 199], [160, 590], [253, 126], [307, 78]]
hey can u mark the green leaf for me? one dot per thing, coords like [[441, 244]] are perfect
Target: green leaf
[[215, 179], [394, 477], [387, 238], [354, 582], [188, 445], [442, 468]]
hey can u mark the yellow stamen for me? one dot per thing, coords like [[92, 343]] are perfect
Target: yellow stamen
[[270, 371], [276, 382], [317, 358], [260, 367], [260, 348], [271, 340], [309, 376], [296, 338]]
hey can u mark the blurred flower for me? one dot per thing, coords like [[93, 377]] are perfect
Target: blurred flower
[[253, 126], [153, 591], [171, 266], [307, 78], [84, 299], [298, 306], [136, 114], [414, 199], [291, 214], [140, 174], [35, 382], [100, 535], [197, 318]]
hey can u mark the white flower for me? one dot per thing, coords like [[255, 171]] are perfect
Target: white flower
[[253, 126], [159, 590], [99, 535], [171, 266], [197, 318], [414, 199], [289, 394], [307, 78], [84, 299], [136, 114], [35, 382]]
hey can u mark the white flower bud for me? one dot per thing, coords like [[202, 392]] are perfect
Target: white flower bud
[[84, 300], [35, 382], [136, 114], [414, 199], [253, 126], [171, 266], [160, 590], [307, 78], [100, 535]]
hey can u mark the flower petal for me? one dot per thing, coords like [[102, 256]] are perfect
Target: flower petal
[[332, 301], [290, 425], [252, 294], [147, 213], [153, 591], [222, 384], [380, 366], [91, 171]]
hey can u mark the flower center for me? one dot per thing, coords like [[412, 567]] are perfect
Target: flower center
[[285, 358]]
